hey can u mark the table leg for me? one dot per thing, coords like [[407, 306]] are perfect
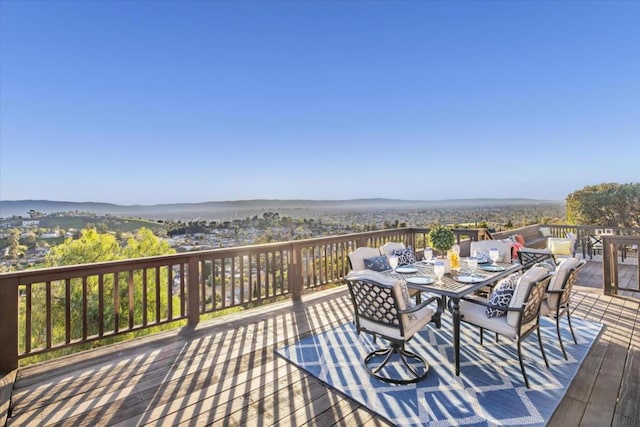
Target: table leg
[[456, 332]]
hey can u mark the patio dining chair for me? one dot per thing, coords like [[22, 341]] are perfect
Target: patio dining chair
[[383, 309], [558, 295], [594, 245], [514, 317]]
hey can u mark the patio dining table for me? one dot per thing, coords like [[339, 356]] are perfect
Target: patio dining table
[[451, 286]]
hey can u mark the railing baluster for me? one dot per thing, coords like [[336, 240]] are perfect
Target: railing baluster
[[170, 292], [144, 296], [130, 298], [48, 313], [274, 274], [158, 285], [27, 313], [243, 277], [67, 311], [205, 265], [84, 308], [116, 303], [101, 305], [183, 302]]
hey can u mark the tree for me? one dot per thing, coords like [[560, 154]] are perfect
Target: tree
[[93, 246], [608, 204], [16, 250], [145, 244]]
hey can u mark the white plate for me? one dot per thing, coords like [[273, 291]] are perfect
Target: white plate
[[468, 279], [420, 280], [405, 269], [492, 267]]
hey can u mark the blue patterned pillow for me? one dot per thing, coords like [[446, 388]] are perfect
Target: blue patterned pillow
[[501, 295], [377, 263], [405, 256]]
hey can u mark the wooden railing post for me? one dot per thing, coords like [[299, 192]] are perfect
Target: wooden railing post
[[295, 272], [193, 293], [8, 326], [609, 266]]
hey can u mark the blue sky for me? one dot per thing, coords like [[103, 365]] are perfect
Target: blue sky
[[145, 102]]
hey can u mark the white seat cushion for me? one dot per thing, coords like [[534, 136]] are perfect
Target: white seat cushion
[[477, 314], [422, 317]]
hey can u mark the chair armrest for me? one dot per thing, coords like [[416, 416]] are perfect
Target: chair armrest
[[424, 304]]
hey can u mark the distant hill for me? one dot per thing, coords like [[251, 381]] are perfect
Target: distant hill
[[243, 208]]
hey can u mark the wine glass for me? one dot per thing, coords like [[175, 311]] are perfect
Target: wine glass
[[393, 262], [472, 263], [494, 254], [438, 269], [428, 254]]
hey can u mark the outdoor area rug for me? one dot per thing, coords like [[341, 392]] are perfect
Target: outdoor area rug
[[489, 391]]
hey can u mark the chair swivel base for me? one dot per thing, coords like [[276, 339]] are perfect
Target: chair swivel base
[[403, 365]]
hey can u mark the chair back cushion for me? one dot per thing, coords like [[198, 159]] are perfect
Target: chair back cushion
[[357, 257], [389, 247], [559, 278], [525, 282], [504, 248]]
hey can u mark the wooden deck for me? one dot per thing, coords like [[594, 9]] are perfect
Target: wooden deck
[[225, 372]]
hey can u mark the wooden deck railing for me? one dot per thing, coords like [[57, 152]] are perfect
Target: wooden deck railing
[[50, 309]]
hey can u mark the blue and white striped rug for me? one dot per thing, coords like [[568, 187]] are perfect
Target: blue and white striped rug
[[489, 391]]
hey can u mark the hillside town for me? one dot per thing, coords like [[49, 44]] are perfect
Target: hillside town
[[25, 241]]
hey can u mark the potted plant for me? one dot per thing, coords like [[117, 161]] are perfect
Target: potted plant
[[441, 238]]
